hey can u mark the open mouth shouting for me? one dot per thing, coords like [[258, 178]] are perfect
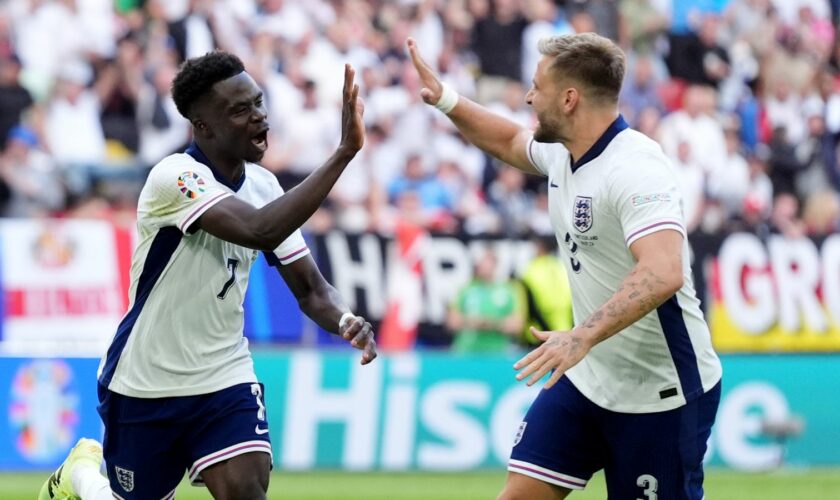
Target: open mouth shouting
[[260, 140]]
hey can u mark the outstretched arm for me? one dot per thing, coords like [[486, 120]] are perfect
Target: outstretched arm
[[238, 222], [657, 275], [322, 303], [492, 133]]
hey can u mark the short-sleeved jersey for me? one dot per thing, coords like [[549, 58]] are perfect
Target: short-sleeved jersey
[[182, 334], [622, 189]]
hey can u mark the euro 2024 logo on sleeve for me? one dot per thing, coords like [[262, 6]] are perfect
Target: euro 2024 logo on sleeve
[[582, 213], [191, 184], [43, 410]]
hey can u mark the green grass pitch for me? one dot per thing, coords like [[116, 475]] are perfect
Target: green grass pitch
[[821, 484]]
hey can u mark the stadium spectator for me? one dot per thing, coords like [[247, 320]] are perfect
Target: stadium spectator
[[697, 125], [644, 26], [512, 104], [545, 20], [783, 163], [424, 195], [488, 314], [118, 86], [821, 215], [692, 184], [816, 152], [34, 183], [506, 195], [784, 219], [604, 15], [497, 42], [14, 98], [641, 90], [784, 110], [308, 138], [754, 213], [73, 128], [162, 132], [731, 183], [698, 58]]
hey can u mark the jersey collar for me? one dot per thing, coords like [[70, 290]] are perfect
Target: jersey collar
[[199, 156], [601, 144]]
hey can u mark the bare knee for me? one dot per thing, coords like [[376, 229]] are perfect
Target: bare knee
[[521, 487], [244, 489], [241, 478]]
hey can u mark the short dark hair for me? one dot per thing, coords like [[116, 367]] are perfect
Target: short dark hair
[[198, 75], [590, 59]]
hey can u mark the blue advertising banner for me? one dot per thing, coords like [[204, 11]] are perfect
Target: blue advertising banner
[[46, 404], [425, 410]]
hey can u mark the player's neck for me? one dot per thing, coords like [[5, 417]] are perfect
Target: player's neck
[[587, 129], [231, 168]]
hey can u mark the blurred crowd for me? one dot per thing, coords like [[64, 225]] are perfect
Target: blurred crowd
[[742, 95]]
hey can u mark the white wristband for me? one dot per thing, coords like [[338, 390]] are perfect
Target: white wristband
[[345, 318], [448, 99]]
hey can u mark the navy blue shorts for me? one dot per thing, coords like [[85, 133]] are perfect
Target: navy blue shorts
[[565, 438], [150, 443]]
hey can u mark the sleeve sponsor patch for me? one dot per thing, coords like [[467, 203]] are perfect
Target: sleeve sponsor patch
[[191, 185], [644, 199]]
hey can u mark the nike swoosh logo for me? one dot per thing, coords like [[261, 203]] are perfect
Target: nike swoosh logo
[[260, 431], [553, 184]]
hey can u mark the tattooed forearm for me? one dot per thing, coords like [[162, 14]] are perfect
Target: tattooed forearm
[[641, 292]]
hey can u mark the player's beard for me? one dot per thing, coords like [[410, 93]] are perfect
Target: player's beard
[[548, 131]]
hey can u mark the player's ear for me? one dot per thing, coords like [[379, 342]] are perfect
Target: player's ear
[[571, 97], [200, 126]]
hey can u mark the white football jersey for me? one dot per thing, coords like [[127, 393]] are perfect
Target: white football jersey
[[622, 189], [182, 334]]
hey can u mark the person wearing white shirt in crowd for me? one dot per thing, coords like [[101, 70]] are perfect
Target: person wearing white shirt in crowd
[[73, 128], [695, 125]]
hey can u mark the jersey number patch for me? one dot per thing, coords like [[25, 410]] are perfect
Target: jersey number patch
[[650, 484], [573, 248], [232, 264]]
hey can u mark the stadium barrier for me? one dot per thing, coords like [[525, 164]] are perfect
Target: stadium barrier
[[64, 286], [422, 411]]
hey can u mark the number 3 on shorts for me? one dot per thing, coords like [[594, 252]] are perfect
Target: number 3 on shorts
[[649, 483], [256, 390]]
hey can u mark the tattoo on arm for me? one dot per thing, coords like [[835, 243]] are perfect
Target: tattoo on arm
[[639, 294]]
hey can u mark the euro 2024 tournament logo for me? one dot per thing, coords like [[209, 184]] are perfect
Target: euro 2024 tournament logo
[[191, 185], [43, 410]]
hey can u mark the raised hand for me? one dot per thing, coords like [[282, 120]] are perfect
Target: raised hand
[[360, 334], [352, 125], [559, 352], [432, 88]]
